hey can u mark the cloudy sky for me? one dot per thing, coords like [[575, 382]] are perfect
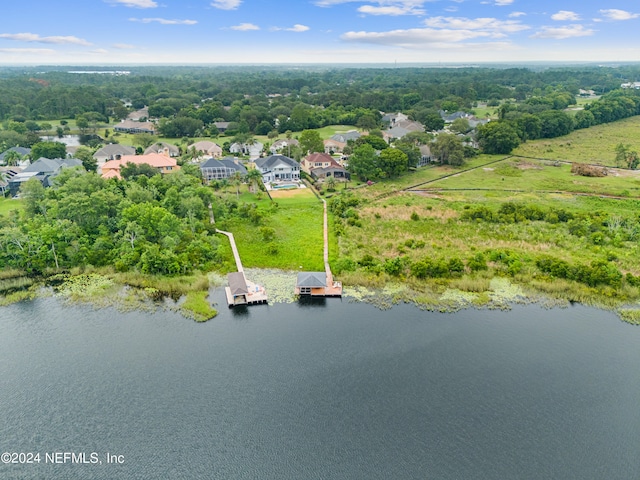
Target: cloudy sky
[[317, 31]]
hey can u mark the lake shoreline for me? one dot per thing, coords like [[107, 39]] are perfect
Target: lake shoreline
[[195, 301]]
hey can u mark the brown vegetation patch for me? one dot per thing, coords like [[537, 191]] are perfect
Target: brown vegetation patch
[[426, 194], [404, 213], [288, 193], [524, 165], [588, 170]]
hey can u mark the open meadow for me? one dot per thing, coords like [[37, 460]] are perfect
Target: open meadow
[[596, 145]]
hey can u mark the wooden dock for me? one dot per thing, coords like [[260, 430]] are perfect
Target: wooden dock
[[240, 290], [312, 283]]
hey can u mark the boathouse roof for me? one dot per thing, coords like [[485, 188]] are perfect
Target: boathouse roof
[[312, 279]]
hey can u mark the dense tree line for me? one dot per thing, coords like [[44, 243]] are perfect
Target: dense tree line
[[156, 225], [531, 120]]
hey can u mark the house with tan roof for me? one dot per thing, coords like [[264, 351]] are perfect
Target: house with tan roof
[[333, 146], [210, 149], [163, 148], [112, 151], [162, 163], [130, 126], [317, 160]]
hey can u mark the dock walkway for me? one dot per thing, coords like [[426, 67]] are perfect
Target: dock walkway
[[247, 292]]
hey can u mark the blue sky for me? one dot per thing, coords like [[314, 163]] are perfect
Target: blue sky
[[317, 31]]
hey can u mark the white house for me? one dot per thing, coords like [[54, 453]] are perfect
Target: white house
[[278, 168]]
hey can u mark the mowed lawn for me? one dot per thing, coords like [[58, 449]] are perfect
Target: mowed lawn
[[590, 145]]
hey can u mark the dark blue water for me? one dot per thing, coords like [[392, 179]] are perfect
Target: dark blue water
[[333, 391]]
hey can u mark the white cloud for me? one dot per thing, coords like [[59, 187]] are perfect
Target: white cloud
[[489, 25], [382, 7], [502, 3], [123, 46], [163, 21], [565, 16], [135, 3], [297, 28], [516, 14], [615, 14], [392, 10], [34, 37], [243, 27], [559, 33], [29, 51], [413, 37], [226, 4]]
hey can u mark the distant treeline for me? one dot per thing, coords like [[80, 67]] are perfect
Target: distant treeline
[[259, 100]]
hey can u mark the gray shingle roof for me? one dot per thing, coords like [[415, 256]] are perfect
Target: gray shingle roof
[[312, 279], [271, 160], [115, 149], [237, 284], [224, 162], [21, 150]]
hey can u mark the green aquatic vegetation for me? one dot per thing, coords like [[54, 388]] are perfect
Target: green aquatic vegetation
[[629, 315], [197, 306], [84, 287]]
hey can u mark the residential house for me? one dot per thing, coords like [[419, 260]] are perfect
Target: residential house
[[44, 169], [222, 126], [425, 156], [277, 168], [138, 115], [450, 117], [333, 146], [392, 118], [112, 151], [317, 160], [163, 163], [129, 126], [253, 150], [23, 151], [163, 149], [283, 144], [474, 122], [336, 171], [208, 148], [346, 136], [214, 169]]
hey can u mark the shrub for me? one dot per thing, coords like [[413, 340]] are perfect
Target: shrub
[[588, 170], [477, 262], [415, 217]]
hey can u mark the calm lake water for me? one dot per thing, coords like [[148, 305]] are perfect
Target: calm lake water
[[335, 390]]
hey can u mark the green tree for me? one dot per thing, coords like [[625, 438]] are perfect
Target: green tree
[[34, 196], [448, 149], [12, 158], [625, 157], [48, 150], [85, 155], [460, 125], [131, 170], [363, 163], [392, 162], [497, 137], [254, 177], [310, 142]]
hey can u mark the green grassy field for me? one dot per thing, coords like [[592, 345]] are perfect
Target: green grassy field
[[297, 234], [7, 205], [590, 145], [537, 176]]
